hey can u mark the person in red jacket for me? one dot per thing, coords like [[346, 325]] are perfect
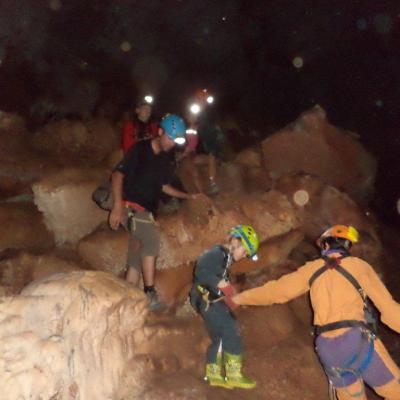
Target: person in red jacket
[[140, 128]]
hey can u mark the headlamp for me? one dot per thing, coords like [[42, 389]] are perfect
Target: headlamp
[[149, 99], [195, 108], [180, 140]]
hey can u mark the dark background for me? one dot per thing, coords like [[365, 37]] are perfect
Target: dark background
[[71, 52]]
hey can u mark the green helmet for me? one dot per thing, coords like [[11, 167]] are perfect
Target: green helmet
[[249, 238]]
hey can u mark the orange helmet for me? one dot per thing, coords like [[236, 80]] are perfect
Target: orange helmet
[[340, 231]]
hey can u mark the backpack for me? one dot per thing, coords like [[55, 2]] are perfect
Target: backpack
[[103, 197]]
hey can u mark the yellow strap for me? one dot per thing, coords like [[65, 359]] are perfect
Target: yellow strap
[[205, 294]]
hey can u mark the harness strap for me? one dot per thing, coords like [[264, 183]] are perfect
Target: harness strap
[[205, 294], [133, 219], [347, 323], [364, 364], [334, 264]]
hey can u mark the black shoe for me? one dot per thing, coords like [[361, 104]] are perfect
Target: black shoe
[[155, 304]]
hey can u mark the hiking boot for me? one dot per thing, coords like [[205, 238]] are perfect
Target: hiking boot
[[234, 376], [155, 304], [214, 375]]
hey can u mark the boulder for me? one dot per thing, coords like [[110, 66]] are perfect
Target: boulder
[[195, 228], [20, 269], [319, 206], [246, 173], [73, 141], [23, 227], [105, 250], [73, 336], [311, 145], [251, 158], [65, 199]]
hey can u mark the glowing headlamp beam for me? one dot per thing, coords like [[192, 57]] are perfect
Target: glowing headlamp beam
[[180, 140], [195, 108]]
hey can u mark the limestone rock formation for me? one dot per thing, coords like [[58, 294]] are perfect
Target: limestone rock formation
[[73, 336], [65, 199], [311, 145]]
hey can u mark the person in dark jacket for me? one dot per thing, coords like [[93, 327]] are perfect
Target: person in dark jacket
[[209, 296], [137, 183]]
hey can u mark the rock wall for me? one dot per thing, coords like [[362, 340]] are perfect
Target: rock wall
[[73, 336], [311, 145]]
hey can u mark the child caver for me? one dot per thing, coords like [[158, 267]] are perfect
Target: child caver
[[209, 296]]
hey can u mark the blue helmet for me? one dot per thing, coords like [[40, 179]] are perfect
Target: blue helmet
[[174, 127]]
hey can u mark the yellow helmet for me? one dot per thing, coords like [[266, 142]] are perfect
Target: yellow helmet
[[340, 231], [249, 238]]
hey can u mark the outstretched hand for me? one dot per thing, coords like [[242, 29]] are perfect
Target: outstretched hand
[[115, 218]]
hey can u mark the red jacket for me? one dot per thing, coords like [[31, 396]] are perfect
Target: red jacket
[[136, 130]]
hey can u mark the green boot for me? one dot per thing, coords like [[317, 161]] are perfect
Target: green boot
[[234, 376], [214, 374]]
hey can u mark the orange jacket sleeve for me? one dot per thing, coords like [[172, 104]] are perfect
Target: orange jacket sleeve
[[380, 296], [282, 290], [128, 136]]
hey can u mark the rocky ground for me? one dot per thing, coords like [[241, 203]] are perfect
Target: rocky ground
[[71, 328]]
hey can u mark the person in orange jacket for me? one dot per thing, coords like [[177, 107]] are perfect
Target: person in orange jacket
[[346, 344]]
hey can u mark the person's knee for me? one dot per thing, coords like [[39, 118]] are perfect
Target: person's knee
[[356, 391], [389, 391]]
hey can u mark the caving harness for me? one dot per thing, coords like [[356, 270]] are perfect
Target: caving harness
[[371, 319], [354, 366], [132, 209], [210, 295]]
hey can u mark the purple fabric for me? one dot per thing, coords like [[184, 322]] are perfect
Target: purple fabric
[[343, 356]]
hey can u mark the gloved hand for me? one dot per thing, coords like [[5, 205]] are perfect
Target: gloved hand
[[229, 291]]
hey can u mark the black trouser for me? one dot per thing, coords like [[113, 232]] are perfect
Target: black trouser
[[221, 326]]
